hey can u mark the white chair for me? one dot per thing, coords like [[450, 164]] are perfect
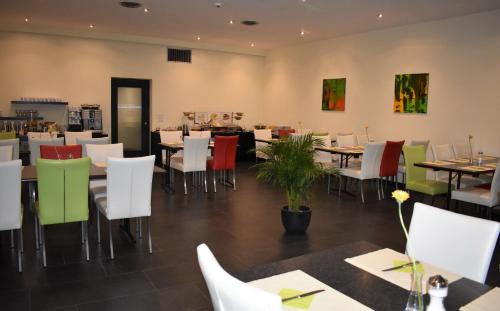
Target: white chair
[[70, 137], [35, 144], [15, 146], [444, 152], [402, 166], [99, 155], [170, 137], [363, 139], [261, 134], [323, 157], [5, 153], [128, 194], [461, 151], [206, 134], [453, 242], [370, 166], [11, 213], [347, 140], [91, 141], [481, 195], [230, 294], [194, 159], [303, 131]]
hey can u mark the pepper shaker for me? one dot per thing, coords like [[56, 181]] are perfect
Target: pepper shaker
[[437, 290]]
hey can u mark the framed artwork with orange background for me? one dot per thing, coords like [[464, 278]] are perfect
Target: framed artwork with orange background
[[333, 94]]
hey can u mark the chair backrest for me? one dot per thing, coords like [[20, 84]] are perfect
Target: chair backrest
[[262, 134], [91, 141], [10, 192], [303, 131], [323, 156], [390, 158], [99, 154], [60, 152], [129, 183], [372, 156], [7, 135], [35, 144], [284, 133], [70, 137], [63, 190], [363, 139], [5, 153], [414, 154], [195, 154], [348, 140], [457, 243], [225, 152], [229, 293], [15, 146], [442, 152], [461, 151], [171, 137], [42, 135], [495, 187], [424, 143], [206, 134]]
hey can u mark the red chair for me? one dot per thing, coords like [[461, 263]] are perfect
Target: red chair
[[390, 163], [224, 158], [60, 152], [284, 133]]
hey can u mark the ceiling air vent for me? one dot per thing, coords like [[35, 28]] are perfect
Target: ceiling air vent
[[178, 55]]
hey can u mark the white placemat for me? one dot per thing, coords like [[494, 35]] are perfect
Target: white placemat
[[330, 299], [377, 261], [487, 302], [438, 163], [475, 168]]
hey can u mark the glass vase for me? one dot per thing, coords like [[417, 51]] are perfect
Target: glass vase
[[415, 300]]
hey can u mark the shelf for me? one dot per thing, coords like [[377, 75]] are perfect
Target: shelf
[[18, 118], [18, 102]]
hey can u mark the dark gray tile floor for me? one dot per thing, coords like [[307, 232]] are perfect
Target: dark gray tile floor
[[243, 229]]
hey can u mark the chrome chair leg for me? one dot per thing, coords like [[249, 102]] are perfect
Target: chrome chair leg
[[87, 241], [11, 238], [98, 226], [19, 249], [234, 179], [378, 189], [215, 181], [205, 180], [21, 240], [111, 240], [42, 239], [149, 236], [139, 228], [185, 187], [37, 240], [83, 233], [361, 182]]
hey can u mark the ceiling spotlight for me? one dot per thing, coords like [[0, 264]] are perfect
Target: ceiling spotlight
[[380, 15], [91, 26], [252, 44], [302, 32], [146, 10], [231, 22], [26, 19], [218, 4], [198, 38]]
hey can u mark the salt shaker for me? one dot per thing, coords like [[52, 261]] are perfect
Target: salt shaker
[[437, 290]]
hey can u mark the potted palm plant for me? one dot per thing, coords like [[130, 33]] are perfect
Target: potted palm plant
[[290, 165]]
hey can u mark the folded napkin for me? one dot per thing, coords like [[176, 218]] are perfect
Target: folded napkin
[[377, 261], [487, 302], [294, 282]]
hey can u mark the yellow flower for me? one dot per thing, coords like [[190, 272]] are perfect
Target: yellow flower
[[400, 195], [366, 126]]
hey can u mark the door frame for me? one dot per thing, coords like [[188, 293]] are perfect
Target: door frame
[[145, 86]]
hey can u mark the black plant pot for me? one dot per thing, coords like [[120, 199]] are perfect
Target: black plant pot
[[296, 222]]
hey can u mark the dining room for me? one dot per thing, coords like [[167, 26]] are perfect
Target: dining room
[[286, 155]]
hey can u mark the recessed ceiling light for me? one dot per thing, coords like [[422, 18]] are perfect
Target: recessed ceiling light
[[91, 26], [198, 38], [231, 21], [146, 10], [26, 19], [380, 15], [218, 4], [252, 44], [130, 4], [302, 32]]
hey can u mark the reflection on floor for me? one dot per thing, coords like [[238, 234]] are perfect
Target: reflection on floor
[[243, 228]]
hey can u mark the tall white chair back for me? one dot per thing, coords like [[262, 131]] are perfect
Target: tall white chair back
[[41, 135], [348, 140], [303, 131], [206, 134], [424, 143], [261, 134], [363, 139], [15, 146], [35, 144], [461, 151], [91, 141], [70, 137], [495, 187], [458, 243], [5, 153], [195, 154], [228, 293], [323, 156], [10, 192], [171, 137], [372, 157], [129, 187], [442, 152], [99, 154]]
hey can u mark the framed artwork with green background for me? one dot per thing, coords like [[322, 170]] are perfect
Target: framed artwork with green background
[[334, 94], [411, 93]]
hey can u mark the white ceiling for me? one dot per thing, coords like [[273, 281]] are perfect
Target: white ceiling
[[183, 20]]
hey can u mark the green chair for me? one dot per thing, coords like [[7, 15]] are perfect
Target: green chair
[[416, 177], [7, 135], [63, 195]]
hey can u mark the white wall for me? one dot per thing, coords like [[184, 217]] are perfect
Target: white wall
[[462, 56], [80, 70]]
